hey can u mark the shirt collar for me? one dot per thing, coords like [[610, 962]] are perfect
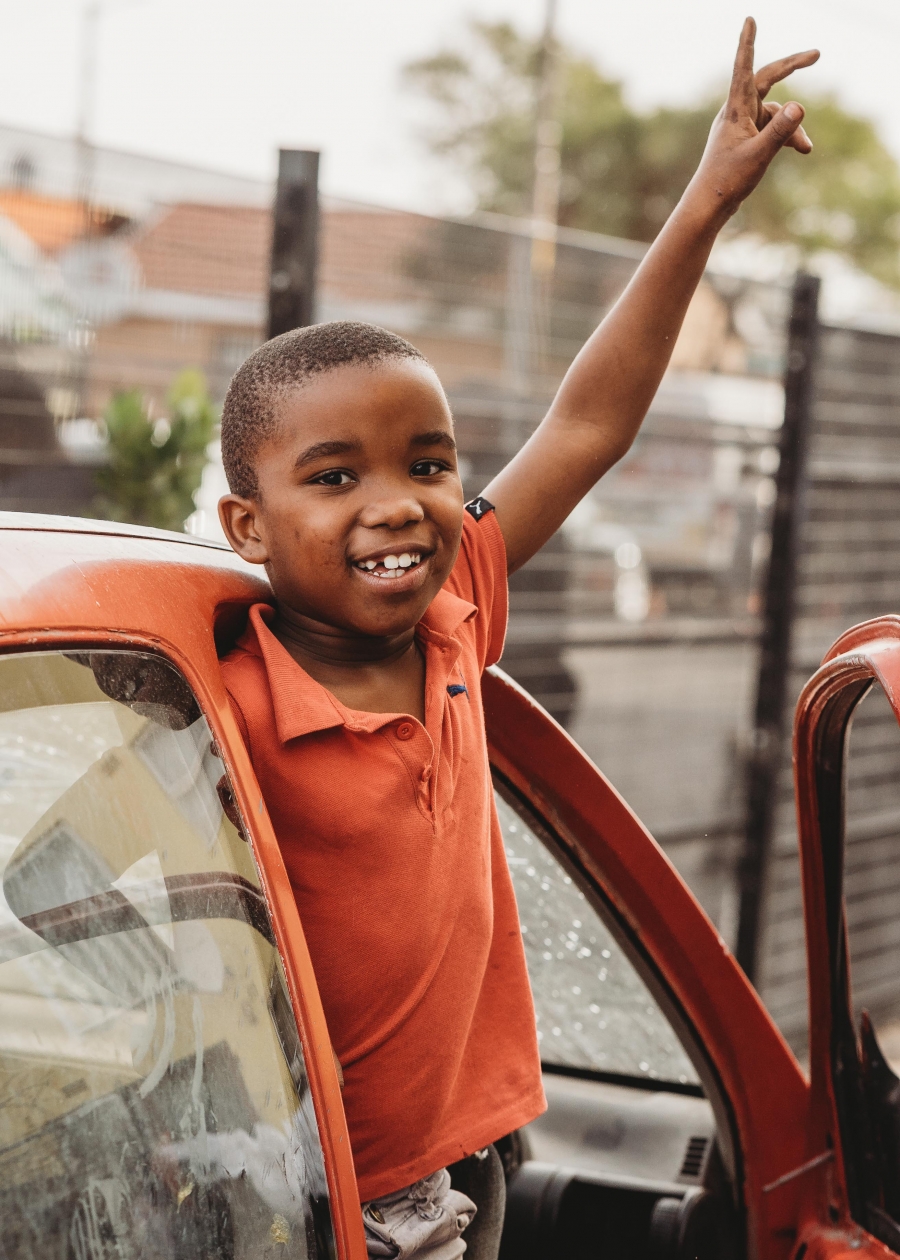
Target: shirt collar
[[446, 613], [301, 705]]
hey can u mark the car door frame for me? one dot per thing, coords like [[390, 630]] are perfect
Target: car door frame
[[758, 1092], [85, 600], [865, 655]]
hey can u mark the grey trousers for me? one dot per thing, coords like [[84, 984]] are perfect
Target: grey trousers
[[483, 1181], [456, 1210]]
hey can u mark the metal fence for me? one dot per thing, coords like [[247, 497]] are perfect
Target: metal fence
[[843, 492], [637, 625]]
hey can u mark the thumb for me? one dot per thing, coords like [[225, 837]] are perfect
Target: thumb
[[780, 127]]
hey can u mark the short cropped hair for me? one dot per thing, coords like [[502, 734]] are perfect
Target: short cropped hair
[[250, 414]]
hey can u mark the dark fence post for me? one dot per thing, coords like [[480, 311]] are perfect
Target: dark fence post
[[295, 232], [771, 724]]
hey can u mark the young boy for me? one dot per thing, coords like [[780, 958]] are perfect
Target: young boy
[[358, 692]]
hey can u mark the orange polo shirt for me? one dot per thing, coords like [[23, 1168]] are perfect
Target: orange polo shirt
[[393, 847]]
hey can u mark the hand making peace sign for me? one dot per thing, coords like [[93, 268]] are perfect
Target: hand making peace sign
[[748, 131]]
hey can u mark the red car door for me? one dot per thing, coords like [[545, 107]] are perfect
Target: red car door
[[167, 1087], [759, 1097], [852, 1193]]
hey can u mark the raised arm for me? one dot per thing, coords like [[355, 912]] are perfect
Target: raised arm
[[604, 396]]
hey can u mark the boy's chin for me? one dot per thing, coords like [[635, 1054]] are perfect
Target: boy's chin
[[397, 623]]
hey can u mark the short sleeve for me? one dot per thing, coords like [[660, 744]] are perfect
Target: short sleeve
[[479, 576]]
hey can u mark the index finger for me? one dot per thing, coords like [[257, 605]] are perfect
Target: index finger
[[775, 71], [742, 75]]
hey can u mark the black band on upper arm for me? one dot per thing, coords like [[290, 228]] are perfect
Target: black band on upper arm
[[479, 507]]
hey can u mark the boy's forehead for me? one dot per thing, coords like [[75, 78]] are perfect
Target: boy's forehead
[[370, 400]]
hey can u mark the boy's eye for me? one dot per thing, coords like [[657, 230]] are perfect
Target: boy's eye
[[334, 477], [428, 468]]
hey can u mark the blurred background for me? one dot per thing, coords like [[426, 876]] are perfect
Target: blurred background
[[180, 181]]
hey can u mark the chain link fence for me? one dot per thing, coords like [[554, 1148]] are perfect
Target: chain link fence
[[636, 626]]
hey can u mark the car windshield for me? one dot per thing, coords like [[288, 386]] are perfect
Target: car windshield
[[594, 1012], [153, 1094]]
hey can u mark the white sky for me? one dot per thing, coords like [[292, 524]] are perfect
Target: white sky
[[224, 82]]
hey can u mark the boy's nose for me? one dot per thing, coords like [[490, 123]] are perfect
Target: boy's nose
[[391, 512]]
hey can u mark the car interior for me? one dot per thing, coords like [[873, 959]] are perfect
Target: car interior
[[626, 1160]]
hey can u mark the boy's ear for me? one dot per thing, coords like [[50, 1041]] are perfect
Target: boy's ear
[[239, 521]]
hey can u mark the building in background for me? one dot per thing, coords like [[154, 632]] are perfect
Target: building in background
[[167, 269]]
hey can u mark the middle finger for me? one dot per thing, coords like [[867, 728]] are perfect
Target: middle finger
[[775, 71]]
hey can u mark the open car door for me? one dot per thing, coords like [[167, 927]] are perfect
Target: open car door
[[638, 998], [853, 1195]]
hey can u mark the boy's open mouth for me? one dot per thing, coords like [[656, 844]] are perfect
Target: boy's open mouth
[[390, 566]]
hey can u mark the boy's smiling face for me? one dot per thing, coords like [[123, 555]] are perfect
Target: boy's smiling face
[[358, 516]]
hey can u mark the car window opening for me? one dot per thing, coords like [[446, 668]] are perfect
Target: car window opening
[[628, 1143]]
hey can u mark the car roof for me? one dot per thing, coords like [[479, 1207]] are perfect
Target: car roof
[[68, 571], [38, 521]]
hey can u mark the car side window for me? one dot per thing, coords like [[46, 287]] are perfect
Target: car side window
[[593, 1010], [153, 1093]]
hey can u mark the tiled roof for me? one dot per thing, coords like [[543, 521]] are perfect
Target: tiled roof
[[222, 250], [51, 222], [366, 255]]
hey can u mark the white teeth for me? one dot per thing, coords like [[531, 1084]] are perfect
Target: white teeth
[[394, 564]]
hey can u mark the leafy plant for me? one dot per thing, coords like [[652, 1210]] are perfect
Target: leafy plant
[[623, 171], [155, 466]]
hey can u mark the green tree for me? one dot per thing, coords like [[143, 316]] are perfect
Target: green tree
[[155, 467], [623, 171]]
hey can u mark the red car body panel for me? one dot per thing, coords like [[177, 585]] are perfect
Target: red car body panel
[[86, 588], [765, 1090], [68, 583]]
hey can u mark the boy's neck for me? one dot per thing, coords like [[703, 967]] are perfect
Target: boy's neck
[[308, 639], [374, 675]]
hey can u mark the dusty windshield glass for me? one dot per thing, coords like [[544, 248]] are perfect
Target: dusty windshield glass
[[593, 1009], [153, 1095]]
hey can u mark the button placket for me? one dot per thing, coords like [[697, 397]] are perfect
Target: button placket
[[414, 746], [442, 657], [426, 789]]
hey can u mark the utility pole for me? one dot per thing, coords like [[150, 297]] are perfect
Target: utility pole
[[295, 240], [531, 262], [547, 141], [87, 89], [90, 26]]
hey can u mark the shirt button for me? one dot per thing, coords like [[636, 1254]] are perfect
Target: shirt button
[[405, 730]]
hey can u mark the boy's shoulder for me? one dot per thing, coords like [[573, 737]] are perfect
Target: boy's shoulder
[[480, 577], [245, 653], [244, 669], [481, 563]]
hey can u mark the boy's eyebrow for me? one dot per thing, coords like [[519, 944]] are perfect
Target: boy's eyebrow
[[436, 437], [323, 450]]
